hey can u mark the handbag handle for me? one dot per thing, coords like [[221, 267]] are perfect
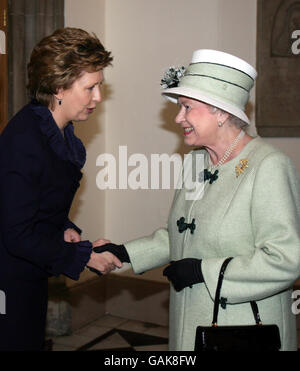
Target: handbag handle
[[217, 297]]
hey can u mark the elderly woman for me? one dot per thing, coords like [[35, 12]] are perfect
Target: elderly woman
[[40, 162], [247, 207]]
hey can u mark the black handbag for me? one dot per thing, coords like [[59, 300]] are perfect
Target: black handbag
[[256, 338]]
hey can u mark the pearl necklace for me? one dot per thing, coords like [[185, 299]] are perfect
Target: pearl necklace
[[229, 150]]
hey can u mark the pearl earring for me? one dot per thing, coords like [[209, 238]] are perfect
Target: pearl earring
[[220, 124]]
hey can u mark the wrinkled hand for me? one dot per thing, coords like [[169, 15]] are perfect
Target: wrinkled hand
[[103, 263], [184, 273], [70, 235]]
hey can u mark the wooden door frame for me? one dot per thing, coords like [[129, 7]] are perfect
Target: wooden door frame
[[4, 65]]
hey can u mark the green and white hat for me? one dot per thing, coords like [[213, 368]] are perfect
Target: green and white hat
[[213, 77]]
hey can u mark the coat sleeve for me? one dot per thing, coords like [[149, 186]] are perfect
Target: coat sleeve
[[149, 252], [71, 225], [22, 165], [274, 264]]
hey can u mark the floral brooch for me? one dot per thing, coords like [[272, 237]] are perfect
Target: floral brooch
[[241, 167], [172, 77]]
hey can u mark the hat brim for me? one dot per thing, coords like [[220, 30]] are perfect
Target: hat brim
[[173, 94]]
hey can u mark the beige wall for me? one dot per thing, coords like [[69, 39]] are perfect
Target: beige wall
[[89, 206], [146, 37], [88, 210]]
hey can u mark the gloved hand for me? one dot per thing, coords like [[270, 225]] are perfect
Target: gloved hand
[[184, 273], [118, 250]]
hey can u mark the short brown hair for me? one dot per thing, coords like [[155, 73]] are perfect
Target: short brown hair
[[59, 59]]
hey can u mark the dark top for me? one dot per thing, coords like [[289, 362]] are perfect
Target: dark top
[[39, 175]]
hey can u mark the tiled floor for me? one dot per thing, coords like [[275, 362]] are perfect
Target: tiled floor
[[111, 333]]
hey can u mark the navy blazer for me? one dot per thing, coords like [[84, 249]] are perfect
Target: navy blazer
[[39, 175]]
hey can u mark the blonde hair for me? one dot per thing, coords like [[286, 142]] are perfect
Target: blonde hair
[[59, 59]]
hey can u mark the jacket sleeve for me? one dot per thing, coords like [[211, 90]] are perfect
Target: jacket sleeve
[[71, 225], [149, 252], [22, 166], [274, 264]]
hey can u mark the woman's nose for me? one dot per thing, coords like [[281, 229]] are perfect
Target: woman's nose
[[97, 95], [180, 116]]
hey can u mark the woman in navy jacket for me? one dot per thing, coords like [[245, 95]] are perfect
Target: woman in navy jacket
[[40, 171]]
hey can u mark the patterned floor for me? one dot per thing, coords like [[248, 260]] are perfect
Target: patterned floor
[[111, 333]]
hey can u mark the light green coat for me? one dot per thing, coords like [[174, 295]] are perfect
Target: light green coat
[[255, 218]]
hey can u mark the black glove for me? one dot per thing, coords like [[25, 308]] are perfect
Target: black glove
[[118, 250], [184, 273], [94, 270]]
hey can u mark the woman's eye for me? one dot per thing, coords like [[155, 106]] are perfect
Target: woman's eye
[[185, 106]]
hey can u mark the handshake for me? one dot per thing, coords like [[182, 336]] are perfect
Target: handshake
[[182, 273], [106, 257]]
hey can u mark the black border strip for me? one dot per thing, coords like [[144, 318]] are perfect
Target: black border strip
[[215, 78], [224, 65]]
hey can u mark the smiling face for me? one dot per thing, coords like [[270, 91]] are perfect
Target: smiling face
[[198, 122], [80, 100]]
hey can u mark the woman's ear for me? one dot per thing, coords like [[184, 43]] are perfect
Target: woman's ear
[[59, 94], [57, 99], [222, 116]]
